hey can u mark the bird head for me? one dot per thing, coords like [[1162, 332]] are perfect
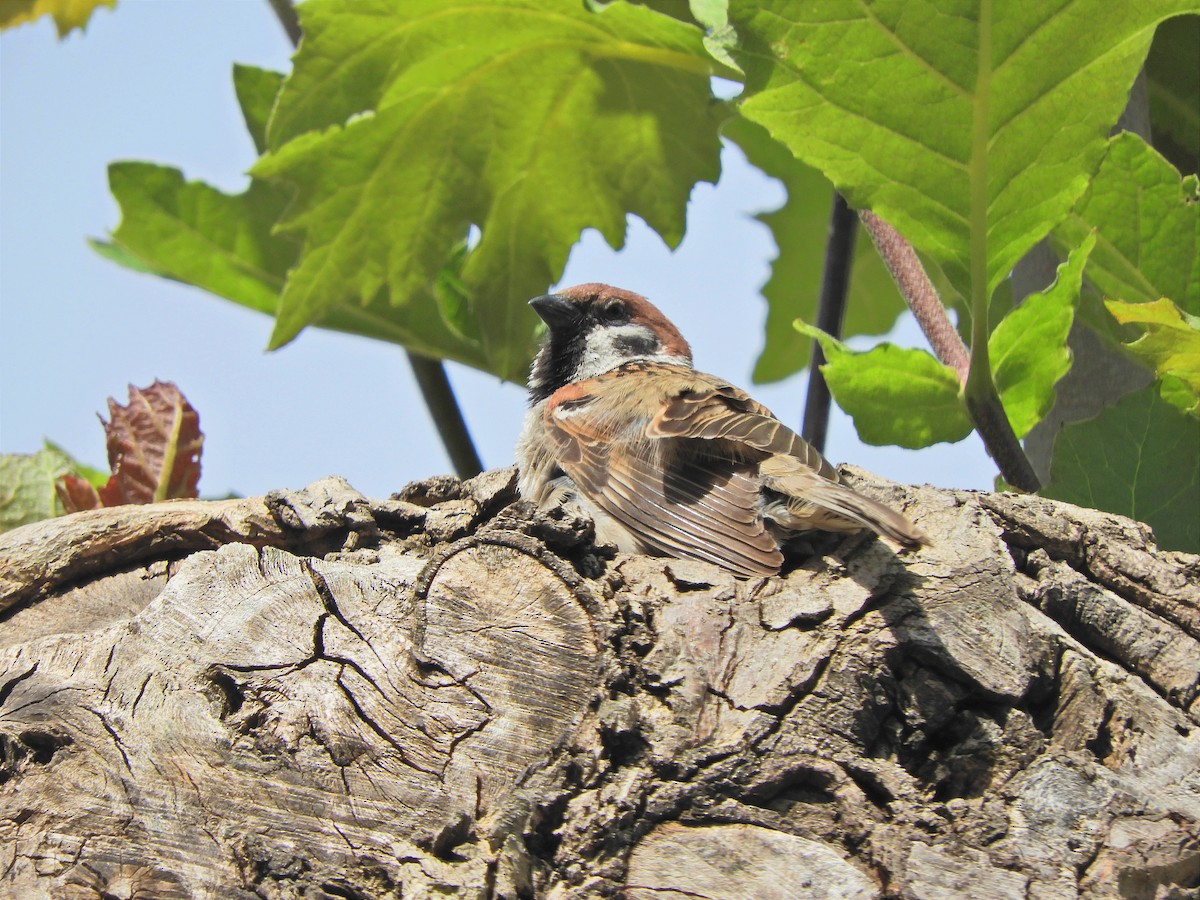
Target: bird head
[[593, 328]]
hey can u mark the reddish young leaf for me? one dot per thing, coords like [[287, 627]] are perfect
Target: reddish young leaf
[[153, 447], [76, 493]]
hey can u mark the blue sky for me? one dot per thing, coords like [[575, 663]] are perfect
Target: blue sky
[[152, 81]]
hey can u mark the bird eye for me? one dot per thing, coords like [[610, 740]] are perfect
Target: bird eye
[[614, 311]]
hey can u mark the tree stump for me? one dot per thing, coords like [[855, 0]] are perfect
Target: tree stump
[[445, 693]]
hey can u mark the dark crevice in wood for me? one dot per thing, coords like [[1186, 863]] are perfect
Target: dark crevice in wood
[[10, 684], [116, 738], [231, 693]]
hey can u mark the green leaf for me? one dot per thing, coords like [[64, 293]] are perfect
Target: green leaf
[[1028, 350], [406, 122], [1148, 224], [193, 233], [895, 395], [719, 36], [256, 92], [450, 294], [709, 13], [122, 256], [27, 486], [1179, 394], [68, 14], [93, 476], [971, 126], [223, 243], [800, 228], [1173, 86], [196, 234], [1170, 344], [1140, 458]]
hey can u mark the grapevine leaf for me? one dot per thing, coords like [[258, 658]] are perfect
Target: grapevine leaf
[[972, 127], [895, 395], [196, 234], [224, 243], [154, 445], [405, 123], [256, 92], [27, 486], [192, 232], [1140, 458], [123, 256]]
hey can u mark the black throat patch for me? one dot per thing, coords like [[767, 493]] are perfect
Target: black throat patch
[[556, 363]]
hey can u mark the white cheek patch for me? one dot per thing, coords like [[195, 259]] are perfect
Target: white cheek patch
[[610, 346]]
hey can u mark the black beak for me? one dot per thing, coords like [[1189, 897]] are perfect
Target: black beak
[[555, 310]]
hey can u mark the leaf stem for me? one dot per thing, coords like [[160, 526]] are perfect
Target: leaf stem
[[982, 399], [919, 293], [430, 373], [979, 392], [831, 310], [1000, 441]]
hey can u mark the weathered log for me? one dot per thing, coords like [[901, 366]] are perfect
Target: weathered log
[[315, 694]]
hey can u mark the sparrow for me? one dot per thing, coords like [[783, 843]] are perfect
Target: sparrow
[[666, 460]]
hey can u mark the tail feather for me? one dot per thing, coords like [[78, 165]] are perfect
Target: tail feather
[[848, 503], [812, 502]]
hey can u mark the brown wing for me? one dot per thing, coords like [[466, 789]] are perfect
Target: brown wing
[[812, 492], [718, 411], [682, 498]]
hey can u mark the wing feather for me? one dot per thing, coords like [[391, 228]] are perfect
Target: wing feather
[[676, 496], [722, 412], [686, 537]]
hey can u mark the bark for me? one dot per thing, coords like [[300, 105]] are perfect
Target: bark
[[318, 695]]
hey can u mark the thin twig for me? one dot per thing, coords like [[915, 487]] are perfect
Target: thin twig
[[430, 373], [447, 416], [831, 310], [920, 294], [982, 402], [285, 12]]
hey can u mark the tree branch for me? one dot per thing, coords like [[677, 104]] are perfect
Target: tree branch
[[983, 403], [831, 310], [430, 373]]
